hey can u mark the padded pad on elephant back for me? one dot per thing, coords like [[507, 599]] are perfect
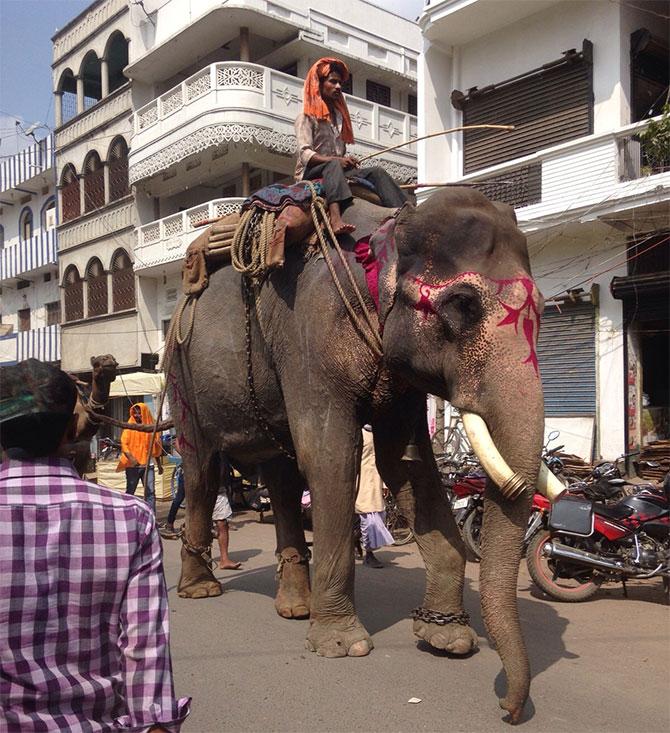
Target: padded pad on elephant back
[[208, 252], [361, 192]]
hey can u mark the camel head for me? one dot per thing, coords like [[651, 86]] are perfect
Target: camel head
[[104, 369]]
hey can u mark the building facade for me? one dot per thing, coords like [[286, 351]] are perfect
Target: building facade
[[216, 88], [579, 82], [29, 297], [97, 213]]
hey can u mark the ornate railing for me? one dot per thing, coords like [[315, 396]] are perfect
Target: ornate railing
[[241, 102], [90, 21], [166, 239]]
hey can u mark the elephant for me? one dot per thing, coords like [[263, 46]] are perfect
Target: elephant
[[279, 375]]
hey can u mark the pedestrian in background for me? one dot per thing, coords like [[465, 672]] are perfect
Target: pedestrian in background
[[221, 514], [84, 642], [370, 505], [135, 453]]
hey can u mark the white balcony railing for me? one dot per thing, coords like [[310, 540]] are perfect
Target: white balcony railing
[[587, 173], [36, 343], [21, 258], [235, 101], [32, 161], [165, 240]]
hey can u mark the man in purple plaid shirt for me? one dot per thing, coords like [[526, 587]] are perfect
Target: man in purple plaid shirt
[[83, 606]]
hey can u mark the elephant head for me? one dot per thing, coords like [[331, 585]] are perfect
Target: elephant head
[[461, 315]]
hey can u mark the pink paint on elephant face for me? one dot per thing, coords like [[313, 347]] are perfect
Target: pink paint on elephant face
[[521, 304]]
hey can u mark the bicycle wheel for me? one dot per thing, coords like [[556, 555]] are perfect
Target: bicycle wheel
[[397, 525]]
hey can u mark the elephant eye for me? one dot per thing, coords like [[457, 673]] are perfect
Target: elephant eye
[[462, 309]]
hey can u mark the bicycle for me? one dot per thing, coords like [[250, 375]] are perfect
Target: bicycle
[[396, 523]]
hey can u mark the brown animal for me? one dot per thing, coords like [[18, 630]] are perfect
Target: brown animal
[[104, 373]]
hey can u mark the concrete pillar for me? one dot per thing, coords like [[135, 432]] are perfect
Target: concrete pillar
[[58, 108], [105, 176], [82, 195], [104, 77], [80, 94], [245, 180], [244, 44]]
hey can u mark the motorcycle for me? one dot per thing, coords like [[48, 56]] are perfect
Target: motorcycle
[[467, 502], [586, 543], [109, 449]]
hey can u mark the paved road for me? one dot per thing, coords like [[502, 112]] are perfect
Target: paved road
[[598, 666]]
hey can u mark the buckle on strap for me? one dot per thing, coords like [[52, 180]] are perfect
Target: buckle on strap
[[200, 551]]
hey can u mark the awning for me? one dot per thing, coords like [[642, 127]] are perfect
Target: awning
[[136, 383]]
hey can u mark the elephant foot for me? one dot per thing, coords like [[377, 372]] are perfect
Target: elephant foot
[[293, 593], [197, 580], [343, 637], [452, 638], [515, 710]]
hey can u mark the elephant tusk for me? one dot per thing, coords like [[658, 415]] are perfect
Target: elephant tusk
[[547, 484], [511, 484]]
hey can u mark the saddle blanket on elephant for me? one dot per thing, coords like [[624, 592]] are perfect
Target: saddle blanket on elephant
[[283, 208]]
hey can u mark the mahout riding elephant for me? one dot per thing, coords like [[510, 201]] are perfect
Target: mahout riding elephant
[[285, 379]]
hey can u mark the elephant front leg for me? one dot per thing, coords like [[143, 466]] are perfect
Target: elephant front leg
[[441, 620], [196, 579], [335, 630], [286, 485]]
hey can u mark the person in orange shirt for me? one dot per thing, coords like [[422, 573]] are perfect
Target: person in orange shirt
[[135, 452]]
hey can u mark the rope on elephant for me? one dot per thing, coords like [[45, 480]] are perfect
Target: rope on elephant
[[369, 330], [251, 243], [140, 427]]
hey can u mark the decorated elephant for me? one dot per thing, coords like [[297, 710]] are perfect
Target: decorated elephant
[[284, 374]]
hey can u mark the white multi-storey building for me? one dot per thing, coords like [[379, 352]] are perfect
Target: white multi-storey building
[[97, 214], [29, 298], [216, 88], [578, 80]]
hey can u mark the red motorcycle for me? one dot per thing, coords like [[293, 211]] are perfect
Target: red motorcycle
[[586, 543]]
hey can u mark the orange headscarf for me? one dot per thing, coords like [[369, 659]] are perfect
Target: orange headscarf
[[313, 104], [137, 443]]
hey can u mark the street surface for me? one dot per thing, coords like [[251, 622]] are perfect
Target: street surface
[[598, 666]]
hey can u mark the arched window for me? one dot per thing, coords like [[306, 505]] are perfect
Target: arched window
[[67, 86], [73, 287], [48, 215], [123, 282], [26, 224], [117, 59], [118, 169], [96, 278], [70, 195], [91, 73], [94, 182]]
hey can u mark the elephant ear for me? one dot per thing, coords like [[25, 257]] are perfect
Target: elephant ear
[[385, 256]]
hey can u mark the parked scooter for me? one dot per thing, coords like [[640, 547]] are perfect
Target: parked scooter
[[586, 543]]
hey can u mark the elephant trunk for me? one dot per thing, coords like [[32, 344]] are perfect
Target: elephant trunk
[[514, 458]]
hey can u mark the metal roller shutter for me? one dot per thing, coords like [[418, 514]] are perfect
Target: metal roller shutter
[[566, 352], [547, 107]]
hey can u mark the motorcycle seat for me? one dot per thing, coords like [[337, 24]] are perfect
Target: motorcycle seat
[[616, 511]]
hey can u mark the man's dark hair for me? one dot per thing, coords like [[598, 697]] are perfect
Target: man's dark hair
[[36, 405]]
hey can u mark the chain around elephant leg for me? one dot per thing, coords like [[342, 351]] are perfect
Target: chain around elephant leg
[[293, 592], [197, 579]]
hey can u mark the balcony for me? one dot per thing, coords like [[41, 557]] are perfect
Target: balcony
[[36, 343], [235, 102], [116, 105], [88, 22], [21, 168], [165, 240], [21, 258], [583, 179]]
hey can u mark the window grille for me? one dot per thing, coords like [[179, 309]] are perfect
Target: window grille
[[70, 195], [94, 183], [123, 282], [378, 93], [96, 278], [74, 295], [118, 170]]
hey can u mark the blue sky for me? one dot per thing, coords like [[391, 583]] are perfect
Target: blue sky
[[26, 27]]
